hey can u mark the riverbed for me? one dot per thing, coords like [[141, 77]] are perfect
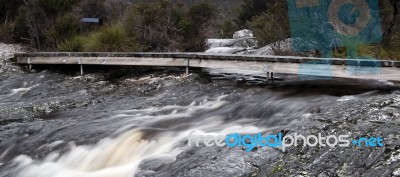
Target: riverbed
[[123, 122]]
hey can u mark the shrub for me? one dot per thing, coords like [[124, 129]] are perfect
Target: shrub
[[111, 39], [4, 35], [164, 26], [65, 27], [54, 7], [269, 28], [227, 29], [20, 32], [366, 51], [201, 19], [250, 9], [76, 44], [386, 53]]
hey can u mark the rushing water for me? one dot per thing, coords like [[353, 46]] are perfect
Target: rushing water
[[113, 133]]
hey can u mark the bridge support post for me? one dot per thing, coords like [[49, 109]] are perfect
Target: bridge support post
[[272, 77], [187, 66], [81, 66], [30, 64]]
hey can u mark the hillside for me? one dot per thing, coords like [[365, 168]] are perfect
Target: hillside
[[176, 25]]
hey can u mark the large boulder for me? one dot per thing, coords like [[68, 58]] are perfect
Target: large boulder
[[234, 43], [225, 50], [243, 40], [243, 34], [284, 46]]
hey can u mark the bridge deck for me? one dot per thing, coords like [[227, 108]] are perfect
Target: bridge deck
[[335, 67]]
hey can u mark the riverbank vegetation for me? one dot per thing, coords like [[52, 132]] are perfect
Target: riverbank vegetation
[[163, 25]]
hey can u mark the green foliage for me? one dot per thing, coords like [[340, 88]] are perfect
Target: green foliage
[[9, 10], [272, 25], [202, 13], [268, 32], [164, 26], [65, 27], [379, 51], [3, 32], [20, 32], [155, 25], [201, 17], [54, 7], [111, 39], [393, 40], [160, 25], [227, 28], [91, 9], [250, 9], [356, 48], [76, 44]]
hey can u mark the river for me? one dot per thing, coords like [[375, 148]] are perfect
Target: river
[[127, 122]]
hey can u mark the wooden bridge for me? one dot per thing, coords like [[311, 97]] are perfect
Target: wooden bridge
[[335, 67]]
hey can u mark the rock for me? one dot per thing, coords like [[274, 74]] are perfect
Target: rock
[[8, 50], [283, 47], [243, 34], [232, 43], [267, 50], [396, 172], [225, 50], [249, 46], [318, 161], [242, 41]]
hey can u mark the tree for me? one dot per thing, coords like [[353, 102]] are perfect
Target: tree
[[395, 9], [65, 27], [250, 9], [201, 20], [164, 26], [9, 10], [20, 32], [91, 9]]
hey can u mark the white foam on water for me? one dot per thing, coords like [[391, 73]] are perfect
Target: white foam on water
[[21, 90], [121, 156], [115, 157], [346, 98]]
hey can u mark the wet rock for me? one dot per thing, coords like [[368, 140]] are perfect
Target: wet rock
[[42, 108], [353, 160], [213, 162], [396, 172], [351, 117]]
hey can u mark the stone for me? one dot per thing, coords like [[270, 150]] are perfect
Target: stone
[[396, 172], [243, 34]]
